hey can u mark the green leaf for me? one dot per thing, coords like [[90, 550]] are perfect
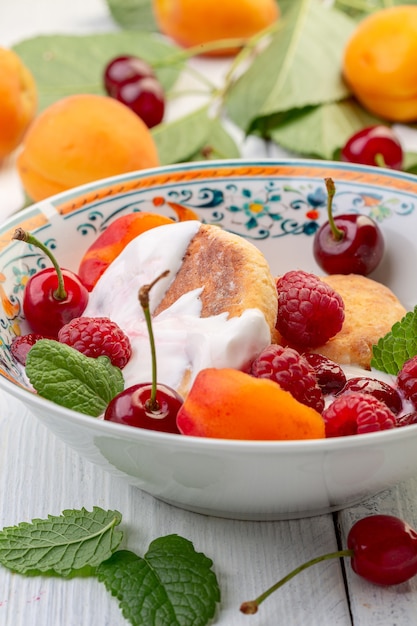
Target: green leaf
[[173, 585], [193, 136], [322, 131], [299, 68], [61, 544], [67, 377], [397, 346], [133, 14], [63, 65], [410, 162], [362, 8]]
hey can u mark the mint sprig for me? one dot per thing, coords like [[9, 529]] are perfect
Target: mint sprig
[[67, 377], [397, 346], [61, 544], [172, 585]]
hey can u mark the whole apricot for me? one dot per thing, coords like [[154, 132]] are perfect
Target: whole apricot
[[80, 139], [380, 63], [18, 100], [195, 22], [229, 404]]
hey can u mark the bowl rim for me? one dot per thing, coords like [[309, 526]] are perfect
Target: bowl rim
[[377, 174], [122, 431]]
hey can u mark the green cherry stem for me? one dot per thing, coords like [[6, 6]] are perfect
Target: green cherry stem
[[152, 404], [251, 606], [331, 190], [19, 234], [217, 45], [379, 160]]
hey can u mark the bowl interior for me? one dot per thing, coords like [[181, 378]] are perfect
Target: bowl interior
[[277, 205]]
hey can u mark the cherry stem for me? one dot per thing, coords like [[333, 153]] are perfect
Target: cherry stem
[[251, 606], [60, 292], [331, 190], [217, 45], [379, 160], [152, 404]]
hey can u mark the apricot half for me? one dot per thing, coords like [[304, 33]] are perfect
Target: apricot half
[[229, 404]]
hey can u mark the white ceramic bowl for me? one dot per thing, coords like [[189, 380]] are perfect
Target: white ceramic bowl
[[278, 205]]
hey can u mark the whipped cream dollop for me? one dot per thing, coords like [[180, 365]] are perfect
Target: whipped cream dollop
[[185, 342]]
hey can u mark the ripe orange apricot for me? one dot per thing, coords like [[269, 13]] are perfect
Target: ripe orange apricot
[[380, 63], [194, 22], [80, 139], [229, 404], [18, 100], [112, 241]]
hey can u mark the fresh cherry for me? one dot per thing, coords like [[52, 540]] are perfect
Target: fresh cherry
[[144, 97], [53, 296], [382, 548], [134, 407], [132, 81], [153, 406], [123, 70], [374, 145], [377, 388], [330, 376], [347, 244]]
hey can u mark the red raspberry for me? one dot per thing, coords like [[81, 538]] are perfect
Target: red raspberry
[[356, 413], [407, 380], [20, 346], [97, 336], [310, 312], [291, 371]]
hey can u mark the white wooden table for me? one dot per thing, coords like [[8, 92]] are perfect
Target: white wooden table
[[39, 475]]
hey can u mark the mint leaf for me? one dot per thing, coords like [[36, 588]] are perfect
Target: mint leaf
[[67, 377], [397, 346], [61, 544], [173, 585]]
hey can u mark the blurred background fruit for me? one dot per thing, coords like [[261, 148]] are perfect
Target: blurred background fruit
[[82, 138], [194, 22], [380, 63], [18, 100]]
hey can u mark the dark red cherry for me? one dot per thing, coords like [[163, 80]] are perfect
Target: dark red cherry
[[384, 549], [359, 250], [53, 296], [146, 98], [125, 69], [377, 388], [45, 311], [133, 407], [374, 145], [330, 376]]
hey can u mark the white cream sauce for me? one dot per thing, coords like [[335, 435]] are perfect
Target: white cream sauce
[[184, 341]]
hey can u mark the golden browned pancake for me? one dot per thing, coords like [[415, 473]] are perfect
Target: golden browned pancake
[[233, 273], [371, 309]]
